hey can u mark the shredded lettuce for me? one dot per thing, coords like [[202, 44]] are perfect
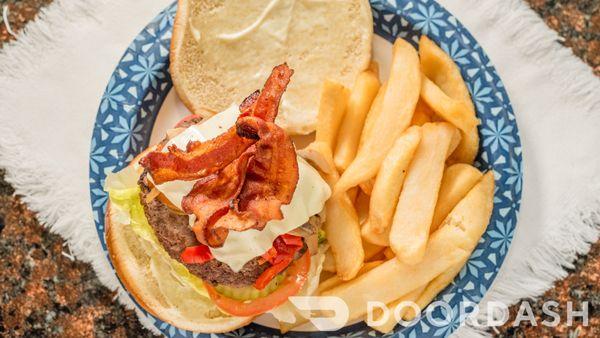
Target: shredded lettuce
[[124, 194]]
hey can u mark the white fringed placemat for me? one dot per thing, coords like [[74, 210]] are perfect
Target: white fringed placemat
[[52, 78]]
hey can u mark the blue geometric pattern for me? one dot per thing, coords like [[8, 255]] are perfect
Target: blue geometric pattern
[[141, 81]]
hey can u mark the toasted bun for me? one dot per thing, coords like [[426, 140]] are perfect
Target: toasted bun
[[147, 276], [212, 68]]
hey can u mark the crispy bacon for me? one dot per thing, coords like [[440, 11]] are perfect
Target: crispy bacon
[[212, 195], [267, 103], [270, 180], [198, 160], [244, 175], [272, 174], [247, 106]]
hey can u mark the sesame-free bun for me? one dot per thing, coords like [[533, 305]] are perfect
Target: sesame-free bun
[[147, 275], [214, 64]]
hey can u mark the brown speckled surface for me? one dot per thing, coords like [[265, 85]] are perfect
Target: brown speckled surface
[[44, 293], [577, 22]]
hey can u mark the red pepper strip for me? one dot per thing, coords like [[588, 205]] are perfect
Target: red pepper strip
[[291, 240], [269, 256], [280, 256], [270, 273], [196, 254]]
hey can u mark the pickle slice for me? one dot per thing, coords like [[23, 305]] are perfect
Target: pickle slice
[[250, 292]]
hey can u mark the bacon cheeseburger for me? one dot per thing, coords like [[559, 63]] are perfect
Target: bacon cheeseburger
[[219, 222]]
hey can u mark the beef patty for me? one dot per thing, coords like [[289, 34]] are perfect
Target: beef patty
[[174, 234]]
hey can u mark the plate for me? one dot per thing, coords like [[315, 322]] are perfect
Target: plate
[[139, 86]]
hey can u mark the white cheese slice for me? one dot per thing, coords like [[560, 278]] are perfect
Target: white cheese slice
[[240, 247], [175, 191]]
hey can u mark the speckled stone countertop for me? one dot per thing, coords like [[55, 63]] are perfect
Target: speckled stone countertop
[[46, 293]]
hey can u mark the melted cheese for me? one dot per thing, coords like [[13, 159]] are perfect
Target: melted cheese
[[240, 247]]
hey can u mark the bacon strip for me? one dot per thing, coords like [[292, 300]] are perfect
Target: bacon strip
[[212, 196], [205, 158], [244, 175], [270, 181], [198, 160], [267, 104]]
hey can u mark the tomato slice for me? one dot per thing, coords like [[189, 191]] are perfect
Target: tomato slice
[[296, 276], [196, 254]]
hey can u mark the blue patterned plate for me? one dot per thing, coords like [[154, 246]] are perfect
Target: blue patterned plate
[[139, 85]]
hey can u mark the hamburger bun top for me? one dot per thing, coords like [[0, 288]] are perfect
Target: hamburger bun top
[[223, 50]]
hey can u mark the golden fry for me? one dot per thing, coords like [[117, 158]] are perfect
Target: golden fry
[[393, 279], [370, 235], [391, 322], [458, 179], [414, 212], [423, 114], [362, 96], [388, 253], [382, 129], [390, 178], [329, 262], [367, 186], [456, 105], [335, 280], [334, 98], [371, 250], [471, 215], [451, 110], [361, 203], [344, 236]]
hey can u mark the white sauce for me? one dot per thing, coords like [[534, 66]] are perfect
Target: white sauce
[[240, 34]]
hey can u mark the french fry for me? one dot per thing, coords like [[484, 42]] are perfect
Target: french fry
[[370, 235], [332, 107], [334, 98], [423, 114], [342, 220], [458, 179], [344, 229], [467, 149], [451, 110], [472, 215], [335, 280], [381, 129], [367, 186], [374, 113], [390, 178], [441, 69], [393, 279], [456, 105], [432, 289], [329, 262], [391, 322], [342, 225], [328, 284], [388, 253], [371, 250], [361, 203], [360, 100], [414, 212]]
